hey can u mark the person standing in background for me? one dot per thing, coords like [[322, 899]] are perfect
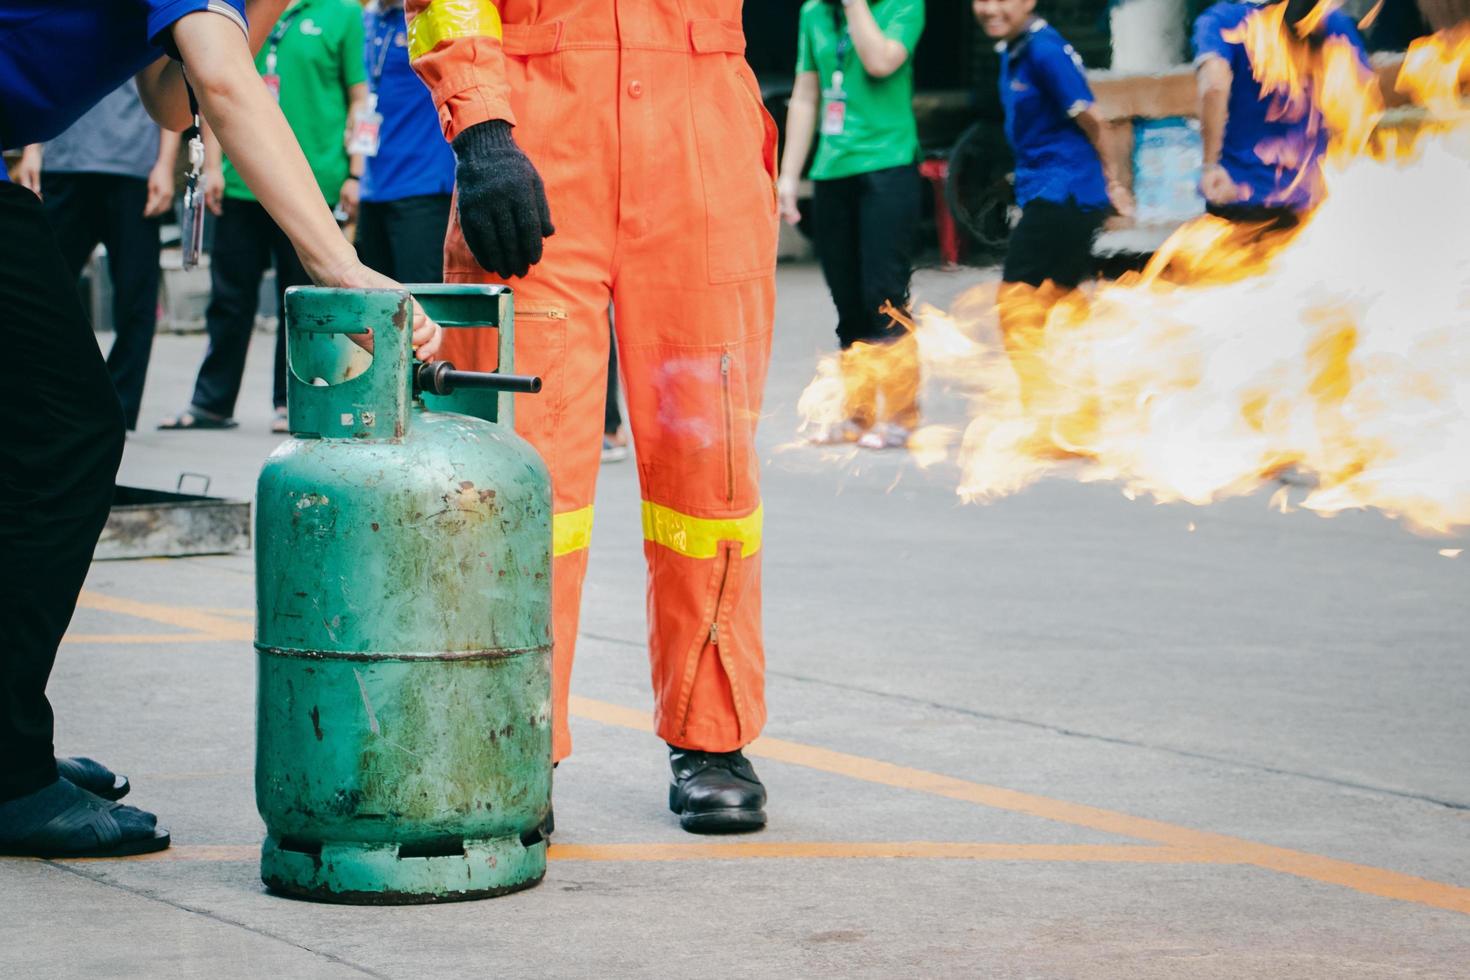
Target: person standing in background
[[408, 182], [1263, 152], [855, 70], [312, 63], [1065, 185], [107, 180]]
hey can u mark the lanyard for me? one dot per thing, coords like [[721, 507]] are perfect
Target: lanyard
[[191, 227], [844, 48], [383, 43], [278, 33]]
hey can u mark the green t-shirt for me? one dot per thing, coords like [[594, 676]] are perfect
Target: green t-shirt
[[878, 130], [318, 59]]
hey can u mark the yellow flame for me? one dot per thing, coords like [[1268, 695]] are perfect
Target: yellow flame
[[1340, 349]]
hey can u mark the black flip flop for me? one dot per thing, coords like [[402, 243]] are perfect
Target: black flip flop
[[93, 777], [195, 420], [57, 837]]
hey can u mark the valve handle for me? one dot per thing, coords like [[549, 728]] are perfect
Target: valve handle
[[442, 378]]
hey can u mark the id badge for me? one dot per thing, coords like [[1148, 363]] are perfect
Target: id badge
[[191, 227], [834, 115], [273, 85], [191, 223], [366, 131]]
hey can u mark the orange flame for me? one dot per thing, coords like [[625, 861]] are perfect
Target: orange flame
[[1340, 349]]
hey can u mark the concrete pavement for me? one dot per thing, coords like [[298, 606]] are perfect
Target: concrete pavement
[[1061, 735]]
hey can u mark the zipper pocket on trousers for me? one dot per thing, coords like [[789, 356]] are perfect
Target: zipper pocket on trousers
[[728, 407], [541, 313], [712, 637]]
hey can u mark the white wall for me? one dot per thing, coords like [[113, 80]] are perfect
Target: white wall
[[1148, 35]]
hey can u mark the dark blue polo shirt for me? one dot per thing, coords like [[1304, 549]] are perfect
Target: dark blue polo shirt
[[413, 158], [1268, 142], [1043, 88]]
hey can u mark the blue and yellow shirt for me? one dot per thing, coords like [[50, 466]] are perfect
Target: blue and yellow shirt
[[1043, 88], [1267, 143]]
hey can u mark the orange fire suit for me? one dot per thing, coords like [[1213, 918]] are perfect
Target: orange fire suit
[[659, 160]]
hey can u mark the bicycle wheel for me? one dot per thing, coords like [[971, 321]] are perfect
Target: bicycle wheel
[[979, 191]]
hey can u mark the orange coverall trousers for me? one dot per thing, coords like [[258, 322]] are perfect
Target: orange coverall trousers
[[659, 160]]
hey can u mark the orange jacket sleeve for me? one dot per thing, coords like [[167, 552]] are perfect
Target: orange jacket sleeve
[[454, 45]]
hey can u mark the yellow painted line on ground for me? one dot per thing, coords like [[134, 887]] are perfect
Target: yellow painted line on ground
[[198, 620], [912, 850], [234, 612], [1226, 849], [131, 638], [778, 850], [1214, 847]]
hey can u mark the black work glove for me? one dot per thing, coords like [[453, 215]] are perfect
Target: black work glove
[[502, 202]]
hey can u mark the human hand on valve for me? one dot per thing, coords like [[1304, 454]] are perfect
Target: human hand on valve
[[427, 335], [502, 201]]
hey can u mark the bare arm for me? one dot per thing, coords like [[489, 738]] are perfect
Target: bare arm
[[214, 172], [28, 171], [351, 193], [1213, 80], [1095, 128], [357, 96], [261, 146], [880, 54], [161, 84], [161, 177], [801, 125]]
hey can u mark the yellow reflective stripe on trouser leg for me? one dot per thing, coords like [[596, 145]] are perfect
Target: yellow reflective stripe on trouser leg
[[571, 531], [700, 537], [445, 20]]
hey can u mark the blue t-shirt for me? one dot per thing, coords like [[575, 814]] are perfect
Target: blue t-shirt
[[1044, 88], [413, 158], [58, 59], [1268, 141]]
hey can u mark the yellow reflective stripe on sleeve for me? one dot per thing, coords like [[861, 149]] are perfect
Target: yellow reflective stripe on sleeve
[[571, 531], [700, 537], [445, 20]]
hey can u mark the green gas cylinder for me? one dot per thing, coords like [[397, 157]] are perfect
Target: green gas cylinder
[[403, 624]]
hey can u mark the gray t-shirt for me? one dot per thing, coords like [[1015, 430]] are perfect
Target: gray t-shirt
[[116, 136]]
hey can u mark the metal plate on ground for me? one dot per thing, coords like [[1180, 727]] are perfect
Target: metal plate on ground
[[162, 524]]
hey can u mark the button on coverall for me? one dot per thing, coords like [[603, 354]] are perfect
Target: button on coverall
[[659, 160]]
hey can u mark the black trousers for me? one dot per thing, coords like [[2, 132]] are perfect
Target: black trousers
[[1053, 243], [61, 439], [88, 209], [1270, 218], [404, 239], [246, 242], [864, 233]]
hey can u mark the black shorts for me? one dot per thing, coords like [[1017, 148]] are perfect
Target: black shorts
[[1270, 218], [1053, 242]]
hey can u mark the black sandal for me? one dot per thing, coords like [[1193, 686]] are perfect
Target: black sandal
[[195, 419], [57, 837], [93, 777]]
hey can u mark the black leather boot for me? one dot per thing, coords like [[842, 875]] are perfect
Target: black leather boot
[[715, 792]]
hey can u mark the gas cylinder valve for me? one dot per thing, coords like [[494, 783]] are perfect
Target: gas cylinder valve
[[442, 377]]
